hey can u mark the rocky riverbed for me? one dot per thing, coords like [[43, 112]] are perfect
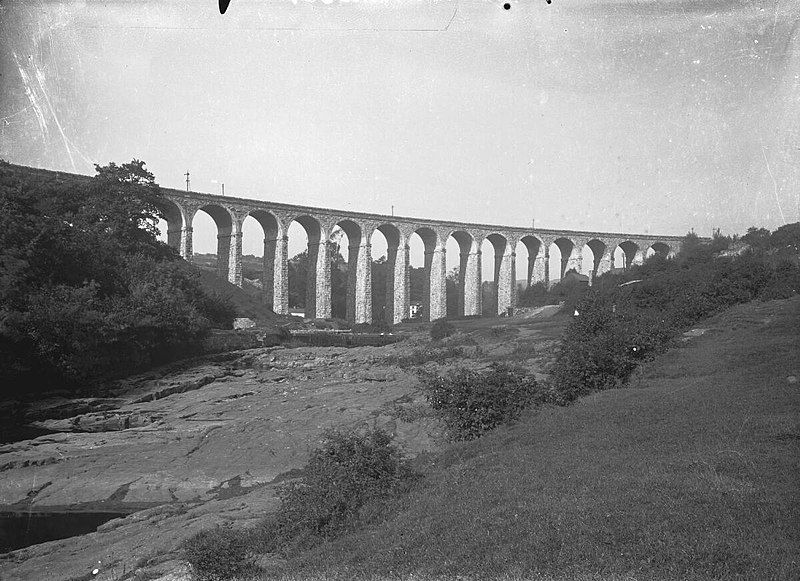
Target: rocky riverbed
[[183, 450]]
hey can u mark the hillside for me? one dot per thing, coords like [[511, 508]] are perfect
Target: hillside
[[247, 301], [692, 472]]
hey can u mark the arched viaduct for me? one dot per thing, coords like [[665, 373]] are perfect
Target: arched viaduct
[[229, 214]]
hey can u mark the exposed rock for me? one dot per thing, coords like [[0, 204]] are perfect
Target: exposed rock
[[196, 447], [187, 449]]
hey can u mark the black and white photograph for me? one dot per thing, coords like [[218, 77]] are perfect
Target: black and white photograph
[[399, 290]]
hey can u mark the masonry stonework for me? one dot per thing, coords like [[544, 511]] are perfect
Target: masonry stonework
[[229, 214]]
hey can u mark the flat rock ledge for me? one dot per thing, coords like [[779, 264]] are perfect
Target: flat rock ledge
[[193, 448]]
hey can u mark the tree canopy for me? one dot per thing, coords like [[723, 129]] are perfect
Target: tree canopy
[[87, 291]]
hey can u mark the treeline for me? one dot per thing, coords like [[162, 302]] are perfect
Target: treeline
[[87, 291], [629, 317]]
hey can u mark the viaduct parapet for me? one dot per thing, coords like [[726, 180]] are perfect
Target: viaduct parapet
[[230, 212]]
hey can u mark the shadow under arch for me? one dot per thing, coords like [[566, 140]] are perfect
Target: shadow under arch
[[598, 248], [536, 271], [630, 251], [565, 248]]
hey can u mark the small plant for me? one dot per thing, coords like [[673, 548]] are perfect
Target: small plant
[[473, 402], [441, 329], [347, 473], [218, 554]]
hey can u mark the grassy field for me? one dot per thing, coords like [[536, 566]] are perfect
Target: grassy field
[[692, 472]]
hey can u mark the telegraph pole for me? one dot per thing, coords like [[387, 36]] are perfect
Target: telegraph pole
[[187, 180]]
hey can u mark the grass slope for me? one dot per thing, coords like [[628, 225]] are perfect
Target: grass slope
[[692, 472]]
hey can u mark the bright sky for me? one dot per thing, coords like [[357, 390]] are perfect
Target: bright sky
[[639, 116]]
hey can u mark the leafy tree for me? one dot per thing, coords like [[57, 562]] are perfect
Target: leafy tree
[[757, 238], [786, 238], [87, 291]]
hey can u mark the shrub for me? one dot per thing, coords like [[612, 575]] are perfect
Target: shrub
[[441, 329], [348, 472], [604, 344], [218, 554], [473, 402]]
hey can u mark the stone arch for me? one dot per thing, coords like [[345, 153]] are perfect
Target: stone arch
[[272, 259], [395, 299], [536, 260], [433, 303], [630, 252], [503, 282], [359, 270], [661, 248], [174, 216], [318, 274], [227, 227], [467, 298], [599, 251], [568, 259]]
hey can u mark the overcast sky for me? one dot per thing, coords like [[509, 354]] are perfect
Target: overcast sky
[[637, 116]]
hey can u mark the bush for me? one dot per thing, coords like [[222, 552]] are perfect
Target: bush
[[218, 554], [473, 402], [604, 344], [441, 329], [350, 471]]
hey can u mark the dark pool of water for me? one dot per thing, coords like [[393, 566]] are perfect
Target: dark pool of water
[[18, 530], [10, 432]]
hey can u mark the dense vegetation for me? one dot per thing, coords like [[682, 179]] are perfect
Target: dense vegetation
[[628, 317], [87, 290]]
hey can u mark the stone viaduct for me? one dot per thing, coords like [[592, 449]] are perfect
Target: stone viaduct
[[229, 213]]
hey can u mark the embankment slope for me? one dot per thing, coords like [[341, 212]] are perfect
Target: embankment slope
[[691, 472]]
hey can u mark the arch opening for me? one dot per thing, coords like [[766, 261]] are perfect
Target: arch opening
[[389, 276], [208, 254], [308, 270], [260, 238], [533, 267], [629, 252], [593, 252], [660, 248], [170, 226], [494, 293], [422, 249], [463, 275], [561, 251], [348, 267]]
